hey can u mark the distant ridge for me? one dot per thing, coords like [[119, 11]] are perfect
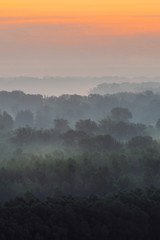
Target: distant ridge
[[56, 85], [132, 87]]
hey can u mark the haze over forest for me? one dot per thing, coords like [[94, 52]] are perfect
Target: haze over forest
[[56, 86], [79, 119]]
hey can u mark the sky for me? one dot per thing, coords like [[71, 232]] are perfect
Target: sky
[[79, 38]]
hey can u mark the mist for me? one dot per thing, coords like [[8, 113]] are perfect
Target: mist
[[79, 120], [57, 85]]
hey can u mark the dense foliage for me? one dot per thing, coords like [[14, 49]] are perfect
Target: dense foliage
[[90, 158], [79, 146], [126, 215], [101, 172], [39, 111]]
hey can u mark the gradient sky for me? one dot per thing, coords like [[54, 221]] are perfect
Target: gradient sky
[[79, 37]]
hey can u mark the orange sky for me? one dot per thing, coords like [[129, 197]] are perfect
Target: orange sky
[[82, 7], [93, 33]]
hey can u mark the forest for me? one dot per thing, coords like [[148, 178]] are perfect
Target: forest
[[125, 215], [144, 106], [79, 167]]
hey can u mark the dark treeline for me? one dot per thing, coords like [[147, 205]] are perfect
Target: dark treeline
[[39, 111], [126, 215]]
